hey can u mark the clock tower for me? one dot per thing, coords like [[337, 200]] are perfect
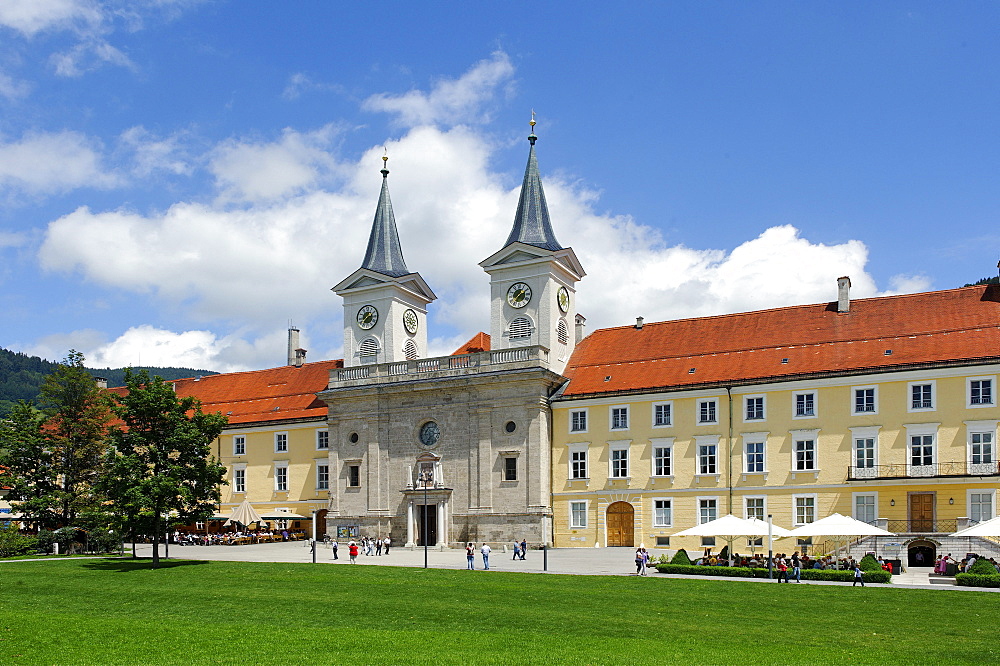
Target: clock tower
[[385, 305], [533, 278]]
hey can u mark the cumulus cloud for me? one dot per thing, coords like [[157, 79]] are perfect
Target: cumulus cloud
[[30, 17], [464, 99], [46, 162]]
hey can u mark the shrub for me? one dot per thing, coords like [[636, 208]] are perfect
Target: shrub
[[46, 539], [103, 541], [983, 567], [743, 572], [977, 580], [681, 557], [14, 544], [869, 563]]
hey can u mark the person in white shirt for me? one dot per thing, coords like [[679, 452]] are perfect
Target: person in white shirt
[[485, 550]]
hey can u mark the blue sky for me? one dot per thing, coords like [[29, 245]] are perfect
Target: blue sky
[[180, 178]]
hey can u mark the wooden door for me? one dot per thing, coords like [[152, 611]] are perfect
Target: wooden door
[[428, 512], [922, 512], [320, 524], [621, 524]]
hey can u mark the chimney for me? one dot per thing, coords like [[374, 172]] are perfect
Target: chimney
[[581, 325], [101, 382], [844, 294], [293, 346], [300, 357], [638, 323]]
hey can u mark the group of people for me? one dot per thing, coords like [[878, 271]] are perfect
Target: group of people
[[470, 555], [641, 561], [963, 566], [230, 538], [519, 549], [370, 546]]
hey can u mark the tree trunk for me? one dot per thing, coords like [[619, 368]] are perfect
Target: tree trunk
[[156, 540]]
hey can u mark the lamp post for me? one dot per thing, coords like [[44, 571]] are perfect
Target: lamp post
[[425, 477]]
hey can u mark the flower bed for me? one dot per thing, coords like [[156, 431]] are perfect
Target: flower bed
[[745, 572]]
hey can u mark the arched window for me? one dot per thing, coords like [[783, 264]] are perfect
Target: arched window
[[562, 332], [410, 351], [368, 350], [520, 328]]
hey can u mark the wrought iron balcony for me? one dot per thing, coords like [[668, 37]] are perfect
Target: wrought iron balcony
[[922, 526], [907, 471]]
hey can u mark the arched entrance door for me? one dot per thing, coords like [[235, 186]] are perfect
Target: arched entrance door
[[320, 524], [621, 524], [921, 553]]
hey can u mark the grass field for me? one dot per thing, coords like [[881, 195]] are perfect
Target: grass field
[[122, 612]]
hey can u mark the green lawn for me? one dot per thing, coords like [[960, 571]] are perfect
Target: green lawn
[[122, 612]]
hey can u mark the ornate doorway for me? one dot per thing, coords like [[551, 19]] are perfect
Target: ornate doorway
[[921, 553], [428, 511], [621, 524], [320, 524], [922, 512]]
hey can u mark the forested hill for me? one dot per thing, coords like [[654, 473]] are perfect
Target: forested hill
[[21, 376]]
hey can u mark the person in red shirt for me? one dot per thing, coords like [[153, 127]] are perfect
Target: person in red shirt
[[353, 550]]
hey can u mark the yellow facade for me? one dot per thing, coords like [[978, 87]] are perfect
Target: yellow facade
[[916, 449]]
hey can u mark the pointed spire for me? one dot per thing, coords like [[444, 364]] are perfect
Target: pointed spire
[[531, 223], [384, 253]]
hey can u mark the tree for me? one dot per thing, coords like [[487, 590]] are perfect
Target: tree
[[160, 460], [55, 458]]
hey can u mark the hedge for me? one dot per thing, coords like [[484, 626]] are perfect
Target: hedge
[[983, 567], [13, 543], [745, 572], [977, 580]]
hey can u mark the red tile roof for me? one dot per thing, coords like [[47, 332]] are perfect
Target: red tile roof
[[957, 325], [479, 342]]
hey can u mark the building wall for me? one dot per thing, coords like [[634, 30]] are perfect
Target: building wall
[[949, 423]]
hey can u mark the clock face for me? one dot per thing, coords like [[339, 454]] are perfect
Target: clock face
[[563, 297], [367, 317], [519, 295], [429, 434], [410, 321]]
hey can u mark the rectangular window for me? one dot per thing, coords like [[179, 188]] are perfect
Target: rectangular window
[[577, 514], [578, 464], [754, 408], [281, 478], [980, 506], [280, 442], [981, 448], [708, 509], [754, 507], [239, 480], [662, 516], [510, 469], [322, 476], [864, 400], [805, 455], [662, 414], [619, 418], [864, 508], [921, 396], [322, 439], [921, 450], [980, 392], [707, 458], [708, 411], [805, 509], [805, 405], [754, 457], [578, 420], [354, 476], [864, 452], [239, 445], [619, 463], [662, 456]]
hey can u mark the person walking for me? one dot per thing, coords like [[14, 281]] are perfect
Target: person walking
[[796, 567], [858, 576], [378, 547], [386, 542], [352, 549], [638, 561], [517, 549], [782, 569], [470, 555], [335, 545], [645, 561], [524, 547], [485, 550]]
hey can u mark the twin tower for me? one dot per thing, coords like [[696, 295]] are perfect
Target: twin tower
[[532, 285]]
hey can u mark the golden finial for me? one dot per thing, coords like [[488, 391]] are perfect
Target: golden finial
[[532, 121], [531, 137], [385, 161]]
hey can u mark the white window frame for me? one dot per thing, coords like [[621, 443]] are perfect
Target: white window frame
[[707, 440], [661, 443], [583, 448], [573, 523], [865, 432], [670, 512], [611, 417], [669, 404], [239, 467], [981, 428], [909, 396], [993, 392], [795, 401], [854, 504], [763, 407], [854, 400], [921, 430], [321, 464], [805, 435], [795, 508], [715, 410], [746, 513], [754, 438], [705, 498], [282, 465], [981, 491], [614, 447], [277, 438], [586, 420], [239, 441], [319, 436]]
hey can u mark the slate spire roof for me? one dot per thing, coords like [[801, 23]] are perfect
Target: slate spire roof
[[384, 254], [531, 223]]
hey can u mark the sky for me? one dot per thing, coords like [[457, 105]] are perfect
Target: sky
[[181, 179]]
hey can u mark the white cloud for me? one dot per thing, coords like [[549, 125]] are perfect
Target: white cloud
[[30, 17], [88, 55], [299, 83], [451, 101], [155, 154], [12, 239], [13, 89], [53, 162]]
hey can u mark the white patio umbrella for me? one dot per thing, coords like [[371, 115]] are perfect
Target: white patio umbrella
[[839, 528], [244, 514], [989, 528], [729, 528]]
